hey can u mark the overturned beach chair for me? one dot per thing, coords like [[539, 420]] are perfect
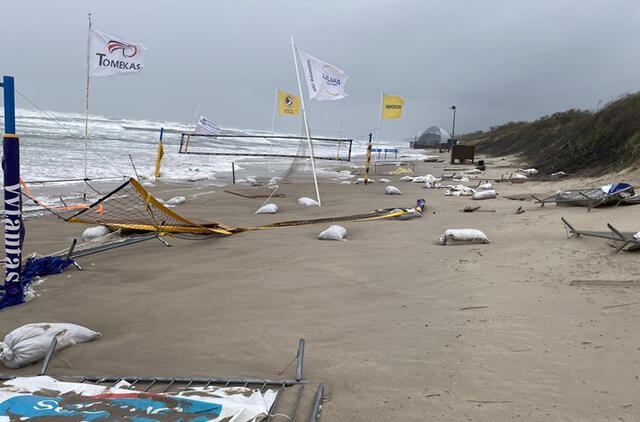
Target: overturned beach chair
[[618, 193], [622, 239]]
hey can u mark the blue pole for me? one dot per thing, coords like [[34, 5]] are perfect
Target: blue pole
[[161, 132], [13, 289]]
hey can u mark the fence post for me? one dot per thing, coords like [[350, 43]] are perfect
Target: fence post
[[366, 166]]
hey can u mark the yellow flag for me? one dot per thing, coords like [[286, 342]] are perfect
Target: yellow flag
[[288, 104], [159, 159], [392, 107]]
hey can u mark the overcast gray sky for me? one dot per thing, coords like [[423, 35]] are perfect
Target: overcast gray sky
[[497, 61]]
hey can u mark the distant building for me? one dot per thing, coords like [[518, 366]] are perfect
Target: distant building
[[432, 136]]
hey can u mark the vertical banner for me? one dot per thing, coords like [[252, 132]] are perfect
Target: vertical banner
[[13, 290]]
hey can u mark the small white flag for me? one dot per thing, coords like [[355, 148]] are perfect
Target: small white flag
[[325, 82], [206, 127], [113, 55]]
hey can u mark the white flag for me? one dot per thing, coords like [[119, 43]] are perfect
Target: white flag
[[113, 55], [325, 82], [206, 127]]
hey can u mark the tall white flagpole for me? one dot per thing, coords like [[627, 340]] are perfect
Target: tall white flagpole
[[86, 115], [380, 110], [275, 106], [306, 122]]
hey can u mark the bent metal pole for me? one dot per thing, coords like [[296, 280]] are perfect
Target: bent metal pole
[[13, 229]]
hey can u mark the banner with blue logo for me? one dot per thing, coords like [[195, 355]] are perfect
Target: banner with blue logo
[[45, 397]]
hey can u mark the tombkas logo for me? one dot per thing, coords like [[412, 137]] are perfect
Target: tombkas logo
[[128, 51], [393, 106]]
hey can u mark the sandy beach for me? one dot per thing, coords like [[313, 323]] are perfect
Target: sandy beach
[[397, 326]]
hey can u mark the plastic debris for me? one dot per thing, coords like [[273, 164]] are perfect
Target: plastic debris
[[95, 232]]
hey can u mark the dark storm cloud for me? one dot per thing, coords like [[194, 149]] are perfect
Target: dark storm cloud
[[497, 61]]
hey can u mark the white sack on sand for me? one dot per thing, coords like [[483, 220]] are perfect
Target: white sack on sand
[[519, 176], [308, 202], [463, 236], [360, 180], [485, 186], [267, 209], [530, 171], [384, 181], [333, 233], [458, 190], [345, 182], [473, 171], [392, 190], [406, 179], [176, 200], [487, 194], [30, 343], [95, 232]]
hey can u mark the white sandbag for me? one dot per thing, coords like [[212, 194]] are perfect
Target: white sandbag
[[333, 233], [518, 176], [95, 232], [392, 190], [308, 202], [485, 186], [176, 200], [463, 236], [406, 179], [487, 194], [530, 171], [345, 182], [360, 180], [387, 181], [29, 343], [458, 190], [474, 171], [267, 209]]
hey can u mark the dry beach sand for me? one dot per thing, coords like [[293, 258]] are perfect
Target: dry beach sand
[[397, 326]]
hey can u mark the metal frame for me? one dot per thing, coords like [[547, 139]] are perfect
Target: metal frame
[[184, 146], [590, 202], [163, 384], [616, 235]]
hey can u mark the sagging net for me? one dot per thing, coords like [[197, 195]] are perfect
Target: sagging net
[[130, 208]]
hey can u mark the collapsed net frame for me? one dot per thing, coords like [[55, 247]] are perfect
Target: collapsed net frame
[[335, 149], [130, 207]]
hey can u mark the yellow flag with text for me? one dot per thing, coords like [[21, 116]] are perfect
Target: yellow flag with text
[[392, 106], [288, 104]]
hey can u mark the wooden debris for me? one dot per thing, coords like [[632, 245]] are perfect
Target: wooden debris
[[620, 305], [466, 308], [613, 283], [519, 210]]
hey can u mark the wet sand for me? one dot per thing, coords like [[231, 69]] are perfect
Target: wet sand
[[397, 326]]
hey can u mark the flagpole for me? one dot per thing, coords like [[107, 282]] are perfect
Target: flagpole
[[306, 122], [86, 114], [380, 110], [273, 120]]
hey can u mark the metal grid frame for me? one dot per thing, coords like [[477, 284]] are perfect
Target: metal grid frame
[[159, 384]]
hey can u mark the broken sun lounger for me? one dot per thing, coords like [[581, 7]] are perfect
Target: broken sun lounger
[[622, 240]]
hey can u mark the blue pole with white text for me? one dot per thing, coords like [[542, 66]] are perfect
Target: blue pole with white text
[[12, 292]]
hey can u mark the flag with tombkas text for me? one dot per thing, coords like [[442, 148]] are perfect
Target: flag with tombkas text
[[392, 106], [113, 55], [288, 104], [325, 82], [206, 127]]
